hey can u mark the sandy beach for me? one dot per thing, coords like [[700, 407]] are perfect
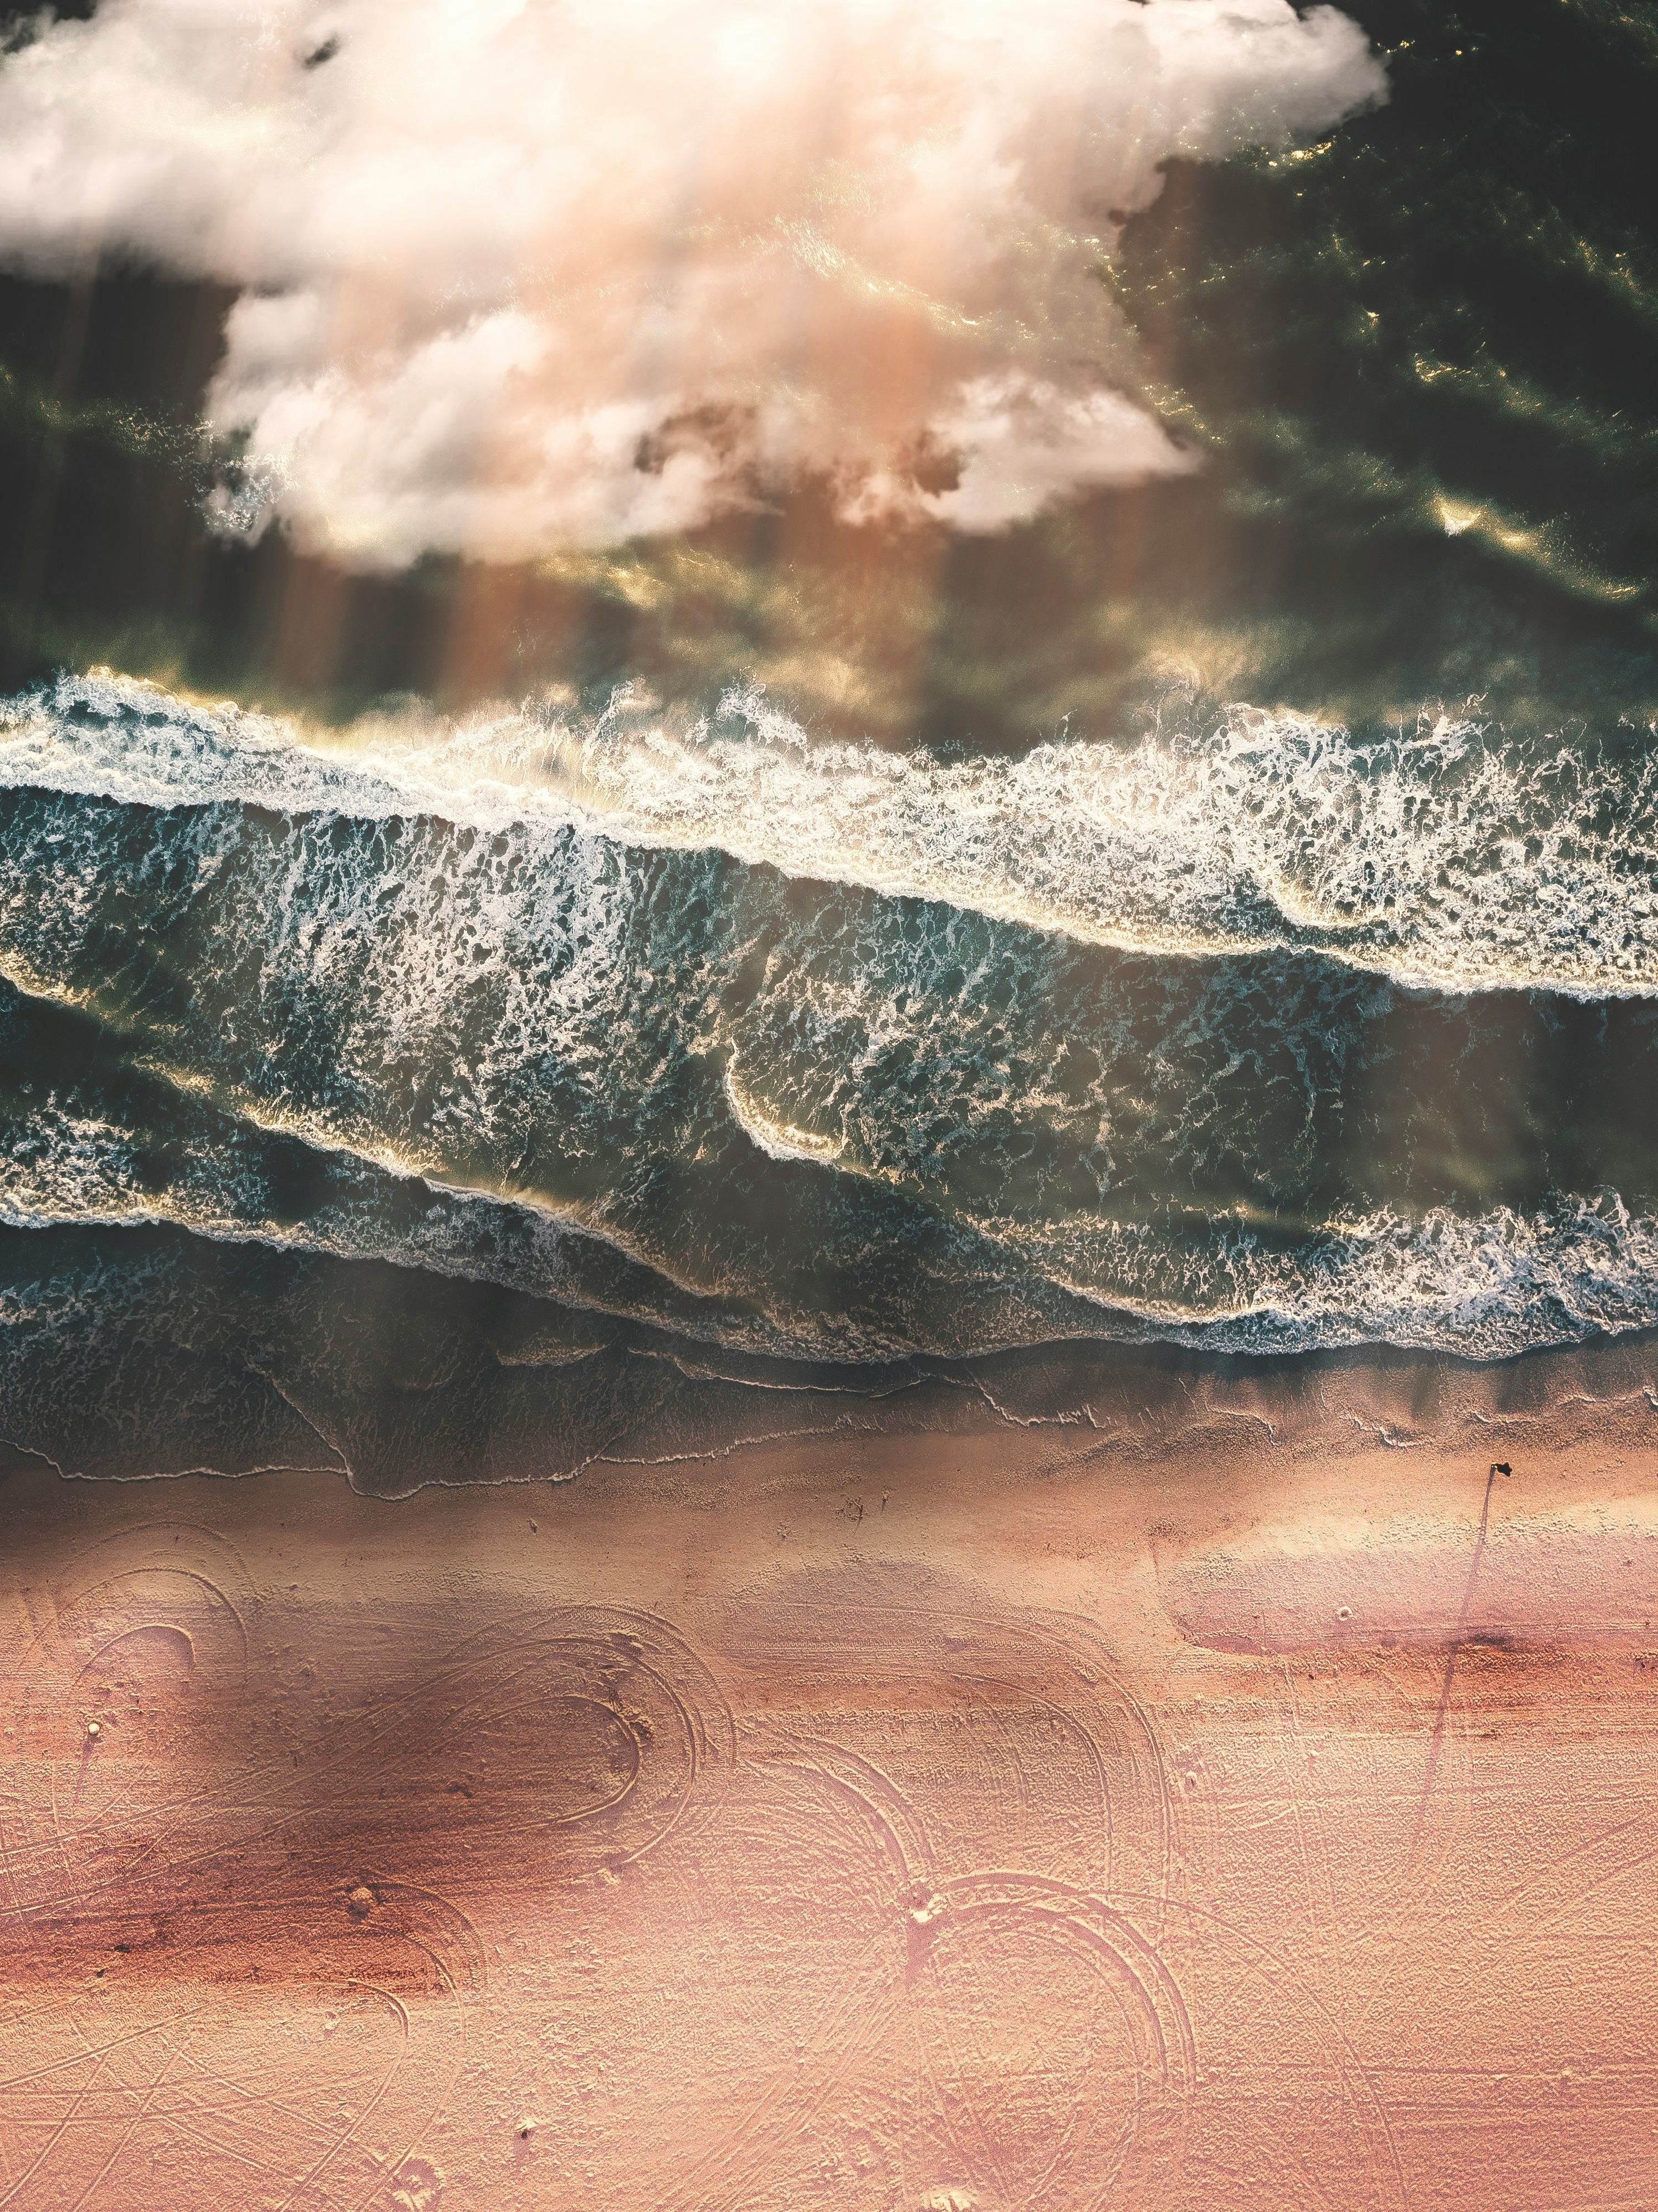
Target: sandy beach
[[1021, 1816], [828, 1106]]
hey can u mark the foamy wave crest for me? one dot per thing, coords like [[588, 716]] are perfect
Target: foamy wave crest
[[1434, 856], [440, 997], [1489, 1288]]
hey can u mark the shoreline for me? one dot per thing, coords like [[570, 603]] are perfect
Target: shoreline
[[399, 1381]]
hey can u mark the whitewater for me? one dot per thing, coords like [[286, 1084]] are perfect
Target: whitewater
[[811, 1050], [1432, 856]]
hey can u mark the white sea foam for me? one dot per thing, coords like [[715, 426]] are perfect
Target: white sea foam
[[1485, 1288], [505, 978], [779, 1141], [1435, 857], [79, 1173]]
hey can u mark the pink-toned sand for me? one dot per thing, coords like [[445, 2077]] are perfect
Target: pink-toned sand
[[926, 1823]]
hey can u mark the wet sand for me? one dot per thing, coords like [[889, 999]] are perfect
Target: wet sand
[[987, 1820]]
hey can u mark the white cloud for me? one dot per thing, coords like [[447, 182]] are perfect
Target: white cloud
[[523, 272]]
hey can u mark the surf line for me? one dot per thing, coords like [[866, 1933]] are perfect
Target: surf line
[[1437, 1744]]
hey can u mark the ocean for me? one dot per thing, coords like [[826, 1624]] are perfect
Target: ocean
[[1219, 911]]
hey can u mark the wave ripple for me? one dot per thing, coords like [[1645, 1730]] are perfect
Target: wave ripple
[[1260, 1038]]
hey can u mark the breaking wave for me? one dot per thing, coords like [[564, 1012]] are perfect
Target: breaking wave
[[812, 1051], [1486, 1289], [1436, 856]]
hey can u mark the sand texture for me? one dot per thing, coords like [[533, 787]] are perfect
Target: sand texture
[[903, 1824]]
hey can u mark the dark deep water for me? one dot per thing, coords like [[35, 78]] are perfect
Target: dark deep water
[[1222, 913]]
